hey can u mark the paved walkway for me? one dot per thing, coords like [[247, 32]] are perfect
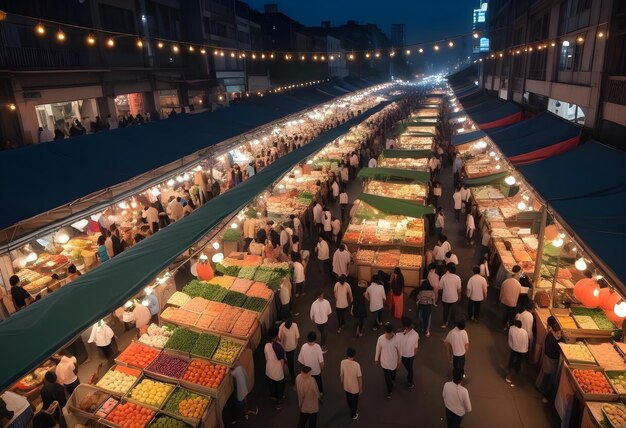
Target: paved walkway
[[495, 403]]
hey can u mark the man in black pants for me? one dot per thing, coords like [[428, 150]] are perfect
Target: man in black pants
[[408, 340]]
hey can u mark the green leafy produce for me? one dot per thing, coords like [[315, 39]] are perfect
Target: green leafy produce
[[206, 345], [186, 403], [598, 316], [275, 282], [231, 235], [163, 421], [234, 298], [263, 275], [227, 270], [182, 340], [195, 288], [247, 272], [256, 304], [251, 213], [214, 292]]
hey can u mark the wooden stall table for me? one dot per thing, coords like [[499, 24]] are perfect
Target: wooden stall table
[[593, 417]]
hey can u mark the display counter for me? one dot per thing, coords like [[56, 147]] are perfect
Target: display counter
[[408, 141], [412, 192]]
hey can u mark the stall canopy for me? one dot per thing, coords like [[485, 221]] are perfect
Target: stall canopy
[[537, 138], [36, 332], [394, 174], [485, 179], [467, 137], [58, 173], [413, 154], [492, 112], [395, 206]]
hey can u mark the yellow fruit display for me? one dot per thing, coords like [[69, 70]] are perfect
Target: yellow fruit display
[[151, 392], [227, 351], [566, 321], [577, 352]]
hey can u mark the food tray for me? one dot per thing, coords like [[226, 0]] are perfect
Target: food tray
[[585, 395], [606, 416], [564, 346], [132, 344], [116, 393], [166, 378], [79, 394], [579, 333], [607, 355], [613, 375], [243, 344], [190, 421], [127, 396], [152, 423], [211, 392], [111, 424]]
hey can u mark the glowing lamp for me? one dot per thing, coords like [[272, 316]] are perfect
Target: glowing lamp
[[481, 145], [521, 206], [147, 290], [614, 317], [171, 182], [620, 309], [216, 245], [145, 302], [609, 298], [510, 180], [580, 264], [558, 242], [155, 192], [217, 258], [128, 304], [233, 226], [492, 154], [31, 257], [63, 238]]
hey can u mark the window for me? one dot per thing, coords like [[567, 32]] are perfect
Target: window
[[571, 112], [566, 59], [538, 62], [583, 5], [578, 57], [117, 19]]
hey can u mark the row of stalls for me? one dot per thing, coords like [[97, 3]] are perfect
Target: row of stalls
[[41, 257], [554, 205], [213, 303]]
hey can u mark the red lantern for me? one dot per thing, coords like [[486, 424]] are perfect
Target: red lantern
[[551, 232], [608, 299], [613, 317], [588, 292], [204, 269]]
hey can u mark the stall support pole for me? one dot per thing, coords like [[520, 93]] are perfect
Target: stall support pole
[[556, 273], [542, 231]]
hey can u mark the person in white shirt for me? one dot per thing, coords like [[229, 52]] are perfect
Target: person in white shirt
[[66, 373], [458, 204], [320, 310], [450, 257], [408, 341], [440, 250], [284, 295], [298, 273], [335, 225], [275, 368], [388, 356], [317, 216], [458, 344], [375, 295], [526, 317], [343, 203], [343, 299], [344, 174], [518, 342], [151, 215], [439, 221], [335, 190], [341, 261], [470, 228], [351, 380], [373, 163], [465, 193], [450, 284], [323, 256], [476, 292], [433, 278], [456, 399], [311, 355], [484, 266], [289, 335], [327, 219], [174, 209]]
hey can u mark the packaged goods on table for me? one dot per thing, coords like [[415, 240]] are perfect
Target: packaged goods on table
[[224, 323], [410, 260], [260, 289], [107, 407], [617, 378], [598, 316], [365, 256], [387, 259], [224, 281], [615, 413], [412, 142], [405, 163], [33, 379], [594, 383], [607, 356], [164, 421]]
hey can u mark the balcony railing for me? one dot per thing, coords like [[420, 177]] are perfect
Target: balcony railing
[[29, 58], [616, 90]]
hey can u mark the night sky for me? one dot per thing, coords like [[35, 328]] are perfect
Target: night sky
[[424, 20]]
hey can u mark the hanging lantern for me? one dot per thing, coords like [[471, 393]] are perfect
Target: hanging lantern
[[587, 291], [613, 317], [551, 232], [608, 299], [204, 269]]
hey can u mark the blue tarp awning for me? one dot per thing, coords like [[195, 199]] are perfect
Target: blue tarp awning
[[467, 137], [534, 135], [54, 174]]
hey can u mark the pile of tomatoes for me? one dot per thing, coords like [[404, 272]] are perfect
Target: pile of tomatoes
[[592, 381], [130, 415]]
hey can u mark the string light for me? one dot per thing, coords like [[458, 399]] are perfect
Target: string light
[[436, 47], [580, 39], [351, 57], [272, 56], [60, 36], [377, 54], [191, 49], [262, 56], [91, 40], [475, 35], [420, 50], [451, 43], [323, 58], [600, 34], [253, 56], [12, 107], [408, 51], [302, 58], [110, 42], [175, 48], [40, 29], [202, 51], [367, 55], [232, 54], [160, 45], [392, 54], [139, 43]]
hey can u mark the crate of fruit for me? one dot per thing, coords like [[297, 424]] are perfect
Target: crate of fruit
[[615, 414], [118, 380], [228, 351], [186, 405], [591, 383], [127, 414], [593, 322], [205, 377], [137, 355], [606, 355], [165, 421], [617, 379], [168, 366], [182, 340], [577, 353], [150, 393]]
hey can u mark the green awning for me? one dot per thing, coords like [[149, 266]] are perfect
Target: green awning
[[394, 174], [413, 154], [396, 206], [486, 179], [42, 328]]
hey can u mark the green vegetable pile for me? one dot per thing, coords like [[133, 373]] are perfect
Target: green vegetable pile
[[182, 340], [247, 272], [163, 421], [195, 288], [256, 304], [206, 345], [227, 270], [205, 290], [231, 235], [234, 298], [215, 293], [263, 275], [598, 316]]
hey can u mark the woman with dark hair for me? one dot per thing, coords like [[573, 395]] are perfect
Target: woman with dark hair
[[396, 284], [426, 298]]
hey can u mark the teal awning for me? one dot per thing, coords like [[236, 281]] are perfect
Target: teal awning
[[394, 174], [413, 154], [36, 332], [485, 180], [396, 206]]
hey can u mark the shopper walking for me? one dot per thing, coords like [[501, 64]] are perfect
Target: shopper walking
[[298, 273], [352, 382], [527, 319], [456, 399], [359, 310], [396, 283], [343, 203], [546, 380], [457, 342], [289, 335], [458, 203], [426, 299], [341, 261], [476, 292], [408, 340], [343, 299], [311, 355], [375, 295], [439, 221], [450, 284], [509, 294], [323, 257], [320, 310], [275, 368], [518, 342], [308, 398], [388, 356]]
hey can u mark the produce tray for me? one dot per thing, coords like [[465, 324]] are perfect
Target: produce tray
[[165, 378], [588, 396], [579, 333], [152, 423], [201, 389], [243, 344], [128, 398], [612, 375], [124, 363], [621, 348], [190, 421], [115, 393], [111, 424], [574, 361], [608, 420], [79, 394], [619, 363]]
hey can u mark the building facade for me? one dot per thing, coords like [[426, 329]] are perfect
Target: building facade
[[564, 56]]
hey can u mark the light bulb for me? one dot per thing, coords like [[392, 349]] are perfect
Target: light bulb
[[110, 42], [180, 179], [171, 182], [620, 309], [558, 242], [128, 304], [481, 145], [155, 192], [498, 166], [40, 29], [145, 302], [233, 226], [147, 290], [91, 40], [521, 206], [139, 43], [510, 180], [175, 49], [31, 257], [60, 36], [217, 258], [63, 238], [581, 264], [492, 154], [216, 245], [122, 205], [186, 177], [203, 257]]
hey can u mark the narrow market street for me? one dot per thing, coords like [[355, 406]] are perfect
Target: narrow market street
[[520, 406]]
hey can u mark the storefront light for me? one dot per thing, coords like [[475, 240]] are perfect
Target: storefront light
[[620, 309], [217, 257], [31, 257], [558, 242], [233, 226], [180, 179], [128, 304], [122, 205], [497, 158], [186, 177], [171, 182], [498, 166], [580, 264], [510, 180], [147, 290], [63, 238], [198, 168], [492, 154], [145, 302], [216, 245], [521, 206], [481, 145]]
